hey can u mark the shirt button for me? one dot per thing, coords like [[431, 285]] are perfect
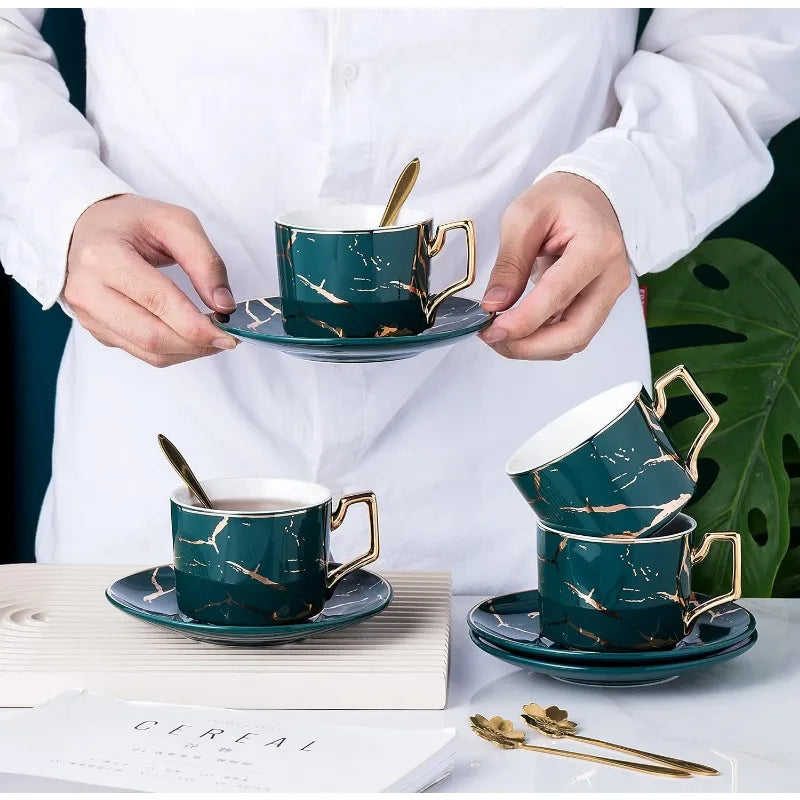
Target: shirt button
[[349, 72]]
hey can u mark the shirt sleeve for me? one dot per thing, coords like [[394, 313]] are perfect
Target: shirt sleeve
[[50, 167], [699, 101]]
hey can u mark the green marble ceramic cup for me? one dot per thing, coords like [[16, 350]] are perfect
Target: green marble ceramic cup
[[625, 595], [608, 466], [245, 567], [342, 276]]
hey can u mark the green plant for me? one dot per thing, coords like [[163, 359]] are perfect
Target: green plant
[[731, 313]]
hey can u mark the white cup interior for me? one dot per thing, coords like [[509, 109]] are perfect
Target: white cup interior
[[573, 428], [348, 217], [298, 494]]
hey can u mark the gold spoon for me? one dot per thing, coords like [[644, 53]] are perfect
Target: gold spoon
[[400, 192], [553, 722], [501, 732], [182, 468]]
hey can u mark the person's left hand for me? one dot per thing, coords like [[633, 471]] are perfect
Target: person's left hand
[[569, 218]]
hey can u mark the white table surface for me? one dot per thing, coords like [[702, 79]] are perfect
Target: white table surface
[[739, 716]]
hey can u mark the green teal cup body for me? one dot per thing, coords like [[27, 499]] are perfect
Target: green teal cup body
[[342, 276], [252, 568], [624, 595], [608, 466]]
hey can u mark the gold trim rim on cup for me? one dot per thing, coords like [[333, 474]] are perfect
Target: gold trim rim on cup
[[189, 508], [621, 539], [585, 441]]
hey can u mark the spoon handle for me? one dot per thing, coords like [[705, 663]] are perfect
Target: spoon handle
[[402, 189], [649, 769], [180, 466], [689, 766]]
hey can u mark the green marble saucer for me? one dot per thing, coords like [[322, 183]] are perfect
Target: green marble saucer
[[150, 596], [614, 674], [260, 321], [511, 621]]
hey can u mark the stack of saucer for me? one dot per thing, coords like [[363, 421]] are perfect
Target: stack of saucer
[[614, 604]]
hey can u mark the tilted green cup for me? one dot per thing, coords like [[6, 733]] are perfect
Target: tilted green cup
[[342, 276], [625, 594], [608, 466], [236, 567]]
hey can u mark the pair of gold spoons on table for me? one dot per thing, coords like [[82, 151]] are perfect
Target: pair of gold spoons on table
[[554, 722]]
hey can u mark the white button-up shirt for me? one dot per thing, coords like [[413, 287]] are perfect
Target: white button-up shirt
[[240, 115]]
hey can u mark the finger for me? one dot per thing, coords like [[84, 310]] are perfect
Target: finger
[[146, 332], [181, 235], [573, 333], [556, 289], [110, 339], [522, 231], [155, 292], [107, 337]]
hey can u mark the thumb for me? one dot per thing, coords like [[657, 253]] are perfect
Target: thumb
[[184, 238], [522, 232]]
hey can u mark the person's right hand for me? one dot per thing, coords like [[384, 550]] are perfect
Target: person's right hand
[[120, 296]]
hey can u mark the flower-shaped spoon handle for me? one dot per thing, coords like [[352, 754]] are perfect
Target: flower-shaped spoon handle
[[501, 732], [553, 722]]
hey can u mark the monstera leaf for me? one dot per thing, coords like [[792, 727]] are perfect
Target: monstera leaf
[[731, 313]]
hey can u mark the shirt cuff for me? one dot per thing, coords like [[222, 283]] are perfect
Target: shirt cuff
[[655, 235], [46, 235]]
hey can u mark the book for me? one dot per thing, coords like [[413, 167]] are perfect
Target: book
[[83, 740]]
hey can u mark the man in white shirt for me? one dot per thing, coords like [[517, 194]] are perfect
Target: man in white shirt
[[543, 126]]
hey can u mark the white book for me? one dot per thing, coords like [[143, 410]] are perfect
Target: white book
[[96, 741]]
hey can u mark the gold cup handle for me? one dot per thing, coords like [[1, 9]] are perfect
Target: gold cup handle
[[697, 555], [337, 518], [660, 385], [433, 249]]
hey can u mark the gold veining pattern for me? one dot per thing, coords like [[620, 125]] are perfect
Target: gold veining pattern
[[665, 510], [322, 291], [554, 560], [228, 601], [586, 598], [254, 574], [212, 540], [675, 597], [660, 459], [501, 623], [714, 614], [322, 324], [587, 633], [388, 330], [256, 320], [410, 288], [159, 589]]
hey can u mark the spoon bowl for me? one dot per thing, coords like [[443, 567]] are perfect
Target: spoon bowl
[[400, 192]]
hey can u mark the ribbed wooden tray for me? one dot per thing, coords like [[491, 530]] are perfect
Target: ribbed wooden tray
[[57, 631]]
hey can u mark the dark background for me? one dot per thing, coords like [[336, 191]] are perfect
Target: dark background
[[32, 341]]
